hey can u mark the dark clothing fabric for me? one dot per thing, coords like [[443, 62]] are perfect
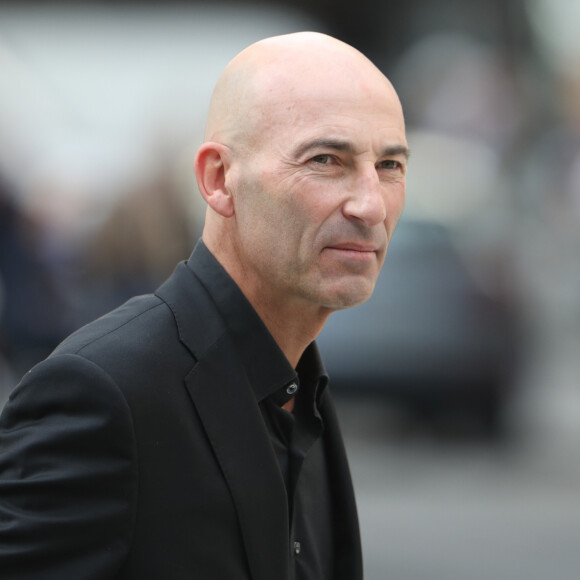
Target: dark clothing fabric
[[296, 438], [138, 449]]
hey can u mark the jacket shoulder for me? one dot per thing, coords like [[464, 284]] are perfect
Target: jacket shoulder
[[136, 344], [124, 320]]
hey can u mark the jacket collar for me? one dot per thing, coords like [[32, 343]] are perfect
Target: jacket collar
[[266, 366]]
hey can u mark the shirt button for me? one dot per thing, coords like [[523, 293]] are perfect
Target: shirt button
[[291, 389], [297, 548]]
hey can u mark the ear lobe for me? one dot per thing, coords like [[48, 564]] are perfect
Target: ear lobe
[[211, 165]]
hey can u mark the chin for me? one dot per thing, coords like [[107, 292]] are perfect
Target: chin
[[349, 303], [349, 297]]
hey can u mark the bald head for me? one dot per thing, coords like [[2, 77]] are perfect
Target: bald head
[[275, 74]]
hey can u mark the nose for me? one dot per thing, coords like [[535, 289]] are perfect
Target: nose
[[366, 202]]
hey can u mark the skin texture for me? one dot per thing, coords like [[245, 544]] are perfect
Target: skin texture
[[303, 170]]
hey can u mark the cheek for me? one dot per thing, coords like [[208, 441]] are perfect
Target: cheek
[[397, 198], [266, 224], [315, 201], [284, 210]]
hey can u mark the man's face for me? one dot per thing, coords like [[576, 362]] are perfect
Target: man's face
[[318, 193]]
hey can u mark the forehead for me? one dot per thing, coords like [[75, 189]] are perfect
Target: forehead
[[361, 124]]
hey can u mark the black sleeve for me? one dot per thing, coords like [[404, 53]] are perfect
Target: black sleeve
[[68, 474]]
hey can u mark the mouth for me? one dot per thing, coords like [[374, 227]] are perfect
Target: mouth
[[354, 251]]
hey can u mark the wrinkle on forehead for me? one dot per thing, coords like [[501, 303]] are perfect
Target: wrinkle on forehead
[[276, 73]]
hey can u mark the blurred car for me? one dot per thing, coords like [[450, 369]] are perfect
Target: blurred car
[[430, 339]]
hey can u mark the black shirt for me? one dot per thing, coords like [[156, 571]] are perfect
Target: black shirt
[[298, 443], [297, 438]]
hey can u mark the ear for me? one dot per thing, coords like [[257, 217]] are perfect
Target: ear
[[211, 165]]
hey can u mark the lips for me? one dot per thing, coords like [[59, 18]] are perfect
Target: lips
[[354, 247], [353, 253]]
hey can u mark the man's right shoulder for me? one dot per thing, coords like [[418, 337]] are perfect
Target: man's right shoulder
[[139, 318]]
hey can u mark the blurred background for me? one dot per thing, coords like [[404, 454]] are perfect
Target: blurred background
[[458, 382]]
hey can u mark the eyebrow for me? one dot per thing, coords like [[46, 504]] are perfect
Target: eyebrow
[[347, 146], [334, 144], [397, 150]]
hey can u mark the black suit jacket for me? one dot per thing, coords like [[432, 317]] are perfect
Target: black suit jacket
[[137, 450]]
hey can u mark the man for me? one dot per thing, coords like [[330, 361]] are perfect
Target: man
[[190, 433]]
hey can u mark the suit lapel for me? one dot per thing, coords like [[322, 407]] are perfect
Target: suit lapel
[[234, 426], [232, 420]]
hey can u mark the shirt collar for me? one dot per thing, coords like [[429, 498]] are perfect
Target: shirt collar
[[266, 366]]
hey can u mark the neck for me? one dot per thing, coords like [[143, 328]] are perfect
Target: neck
[[293, 328], [293, 323]]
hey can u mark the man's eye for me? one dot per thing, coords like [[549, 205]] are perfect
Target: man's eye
[[389, 164], [322, 159]]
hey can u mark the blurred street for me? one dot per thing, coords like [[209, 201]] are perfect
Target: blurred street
[[444, 507]]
